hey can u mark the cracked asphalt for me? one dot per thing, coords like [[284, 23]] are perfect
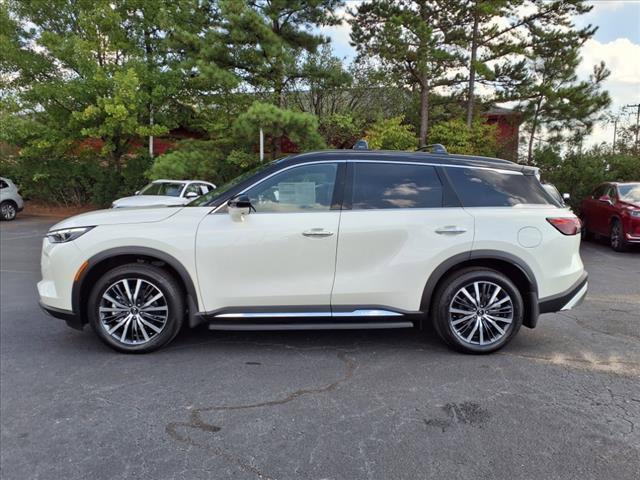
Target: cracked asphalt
[[561, 401]]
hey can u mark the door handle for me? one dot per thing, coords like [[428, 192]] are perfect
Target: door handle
[[317, 232], [450, 230]]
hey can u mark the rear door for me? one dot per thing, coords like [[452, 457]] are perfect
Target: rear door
[[395, 230]]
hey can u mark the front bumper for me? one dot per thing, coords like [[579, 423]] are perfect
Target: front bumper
[[568, 299], [68, 316]]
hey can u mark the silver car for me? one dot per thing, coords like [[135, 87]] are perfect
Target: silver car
[[10, 200]]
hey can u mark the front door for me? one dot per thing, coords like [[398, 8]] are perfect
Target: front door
[[281, 255]]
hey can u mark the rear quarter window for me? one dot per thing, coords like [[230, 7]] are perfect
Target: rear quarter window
[[478, 187]]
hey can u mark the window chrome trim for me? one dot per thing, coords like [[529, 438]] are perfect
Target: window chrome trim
[[393, 162]]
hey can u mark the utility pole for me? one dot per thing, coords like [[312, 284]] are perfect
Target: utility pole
[[637, 107], [615, 131]]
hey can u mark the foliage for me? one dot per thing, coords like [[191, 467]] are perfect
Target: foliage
[[340, 130], [301, 128], [577, 174], [416, 40], [480, 139], [391, 134]]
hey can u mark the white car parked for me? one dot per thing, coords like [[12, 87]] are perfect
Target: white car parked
[[10, 200], [161, 193], [326, 240]]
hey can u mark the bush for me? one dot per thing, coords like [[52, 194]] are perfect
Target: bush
[[391, 134], [340, 130], [74, 180], [578, 174], [480, 139]]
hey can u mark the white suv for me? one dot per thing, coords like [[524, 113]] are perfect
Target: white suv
[[326, 240]]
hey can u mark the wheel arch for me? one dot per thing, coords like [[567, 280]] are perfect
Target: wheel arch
[[114, 257], [508, 264]]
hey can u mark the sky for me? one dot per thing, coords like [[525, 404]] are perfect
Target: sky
[[616, 42]]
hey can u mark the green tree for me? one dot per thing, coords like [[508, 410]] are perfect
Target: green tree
[[340, 130], [391, 134], [416, 40], [551, 95], [264, 40], [301, 128], [457, 137]]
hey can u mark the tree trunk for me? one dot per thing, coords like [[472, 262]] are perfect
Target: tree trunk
[[472, 69], [424, 112], [534, 126]]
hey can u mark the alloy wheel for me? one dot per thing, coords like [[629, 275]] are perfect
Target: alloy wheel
[[615, 236], [481, 313], [133, 311], [8, 211]]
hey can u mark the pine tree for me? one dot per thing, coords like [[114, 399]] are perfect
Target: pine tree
[[419, 41], [551, 97]]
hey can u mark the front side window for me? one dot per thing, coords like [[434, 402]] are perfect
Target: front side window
[[169, 189], [300, 189], [599, 192], [3, 184], [395, 185], [477, 187]]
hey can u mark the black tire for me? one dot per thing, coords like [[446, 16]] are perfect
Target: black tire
[[616, 236], [8, 210], [584, 231], [151, 277], [444, 298]]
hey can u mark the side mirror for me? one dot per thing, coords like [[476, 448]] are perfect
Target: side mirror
[[239, 206], [605, 199], [566, 196], [191, 195], [137, 192]]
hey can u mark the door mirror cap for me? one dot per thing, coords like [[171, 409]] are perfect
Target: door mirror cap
[[566, 196], [606, 199], [239, 206], [191, 195], [137, 192]]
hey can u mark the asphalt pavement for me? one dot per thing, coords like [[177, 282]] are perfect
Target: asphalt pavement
[[560, 402]]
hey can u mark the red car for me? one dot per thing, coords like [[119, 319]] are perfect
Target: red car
[[613, 210]]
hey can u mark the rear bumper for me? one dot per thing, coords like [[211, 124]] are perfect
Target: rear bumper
[[566, 300], [68, 316]]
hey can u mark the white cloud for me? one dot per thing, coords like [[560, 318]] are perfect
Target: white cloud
[[621, 57]]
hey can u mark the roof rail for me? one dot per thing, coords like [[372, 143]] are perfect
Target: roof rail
[[434, 148]]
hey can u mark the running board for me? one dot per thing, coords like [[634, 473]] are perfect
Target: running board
[[307, 325]]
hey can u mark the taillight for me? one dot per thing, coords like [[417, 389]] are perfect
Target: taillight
[[566, 225]]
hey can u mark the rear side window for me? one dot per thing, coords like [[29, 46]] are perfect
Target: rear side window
[[394, 185], [487, 188]]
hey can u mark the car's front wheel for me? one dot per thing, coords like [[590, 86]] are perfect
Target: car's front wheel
[[477, 310], [136, 308], [616, 237], [8, 210]]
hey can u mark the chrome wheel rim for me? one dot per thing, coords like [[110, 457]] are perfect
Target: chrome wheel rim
[[481, 313], [8, 211], [615, 236], [133, 311]]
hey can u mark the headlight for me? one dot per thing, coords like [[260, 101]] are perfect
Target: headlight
[[66, 234], [634, 213]]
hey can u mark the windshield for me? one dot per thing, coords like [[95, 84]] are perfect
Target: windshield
[[216, 192], [630, 192], [168, 189]]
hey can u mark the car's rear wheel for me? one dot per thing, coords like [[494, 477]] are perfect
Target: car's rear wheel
[[136, 308], [8, 210], [477, 310], [616, 237]]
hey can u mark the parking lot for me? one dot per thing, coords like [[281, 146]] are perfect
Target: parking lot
[[561, 401]]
